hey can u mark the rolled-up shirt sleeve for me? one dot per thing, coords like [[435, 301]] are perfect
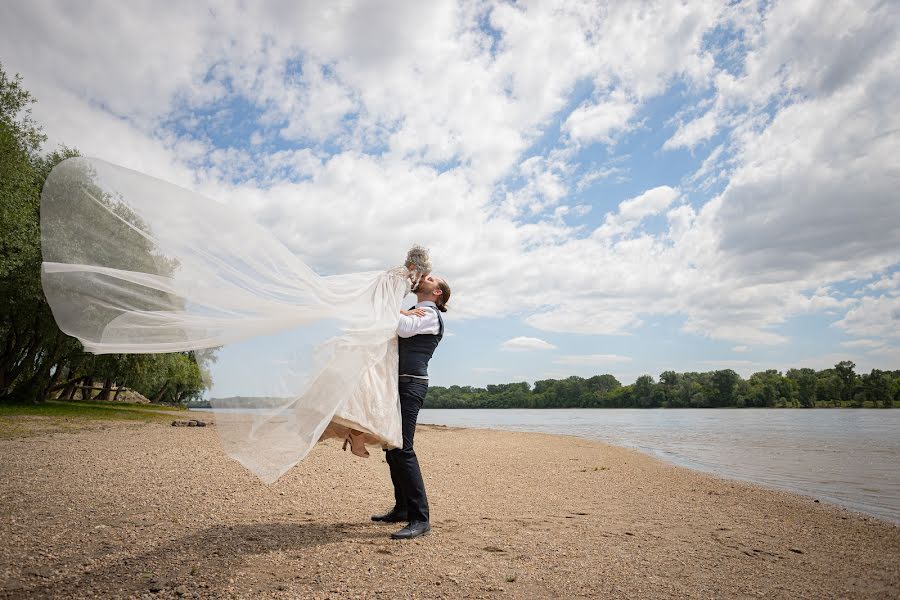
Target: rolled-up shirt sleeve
[[411, 325]]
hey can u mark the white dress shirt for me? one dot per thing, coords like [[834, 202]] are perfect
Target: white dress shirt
[[411, 325]]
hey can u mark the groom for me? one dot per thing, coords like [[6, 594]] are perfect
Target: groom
[[420, 331]]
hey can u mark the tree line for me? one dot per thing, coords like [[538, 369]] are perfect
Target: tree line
[[37, 360], [839, 386]]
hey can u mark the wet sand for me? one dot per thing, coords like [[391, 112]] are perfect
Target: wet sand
[[148, 510]]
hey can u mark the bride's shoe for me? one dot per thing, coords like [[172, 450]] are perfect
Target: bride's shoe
[[357, 445]]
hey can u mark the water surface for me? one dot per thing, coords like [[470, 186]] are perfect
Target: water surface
[[845, 456]]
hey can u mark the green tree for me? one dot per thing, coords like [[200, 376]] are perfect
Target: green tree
[[35, 356], [798, 387], [643, 391], [828, 387], [724, 384], [847, 377], [667, 382], [764, 388], [807, 386], [31, 346], [877, 387]]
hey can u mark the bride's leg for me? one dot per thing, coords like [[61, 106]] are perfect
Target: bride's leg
[[357, 443]]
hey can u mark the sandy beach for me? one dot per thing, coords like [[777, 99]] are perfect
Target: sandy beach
[[117, 509]]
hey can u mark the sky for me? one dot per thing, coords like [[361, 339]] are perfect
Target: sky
[[618, 187]]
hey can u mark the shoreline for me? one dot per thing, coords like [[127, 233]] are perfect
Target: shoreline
[[139, 510], [692, 466], [651, 454], [656, 455], [854, 499]]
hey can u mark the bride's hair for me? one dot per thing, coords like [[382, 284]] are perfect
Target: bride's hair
[[442, 300], [418, 257]]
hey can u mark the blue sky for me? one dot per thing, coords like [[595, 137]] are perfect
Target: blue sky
[[608, 188]]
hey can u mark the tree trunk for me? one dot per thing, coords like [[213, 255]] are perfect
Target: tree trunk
[[107, 390], [159, 395], [61, 370], [73, 388], [87, 392], [23, 363], [65, 385], [6, 361], [69, 391], [118, 391]]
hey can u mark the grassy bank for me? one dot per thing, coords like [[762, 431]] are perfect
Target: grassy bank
[[18, 420]]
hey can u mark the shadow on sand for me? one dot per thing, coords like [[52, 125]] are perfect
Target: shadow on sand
[[202, 561]]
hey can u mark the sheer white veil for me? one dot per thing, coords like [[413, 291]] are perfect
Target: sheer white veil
[[133, 264]]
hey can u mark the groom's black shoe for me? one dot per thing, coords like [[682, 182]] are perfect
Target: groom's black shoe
[[392, 516], [413, 530]]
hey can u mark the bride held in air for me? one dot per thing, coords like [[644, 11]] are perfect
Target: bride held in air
[[370, 415], [134, 264]]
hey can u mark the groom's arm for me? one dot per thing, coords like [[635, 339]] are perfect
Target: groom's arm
[[411, 325]]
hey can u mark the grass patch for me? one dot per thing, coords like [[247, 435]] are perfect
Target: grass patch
[[90, 410], [21, 420]]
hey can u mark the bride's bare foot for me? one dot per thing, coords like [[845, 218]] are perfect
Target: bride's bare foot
[[356, 439]]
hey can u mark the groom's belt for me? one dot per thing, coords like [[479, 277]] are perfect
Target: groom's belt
[[411, 378]]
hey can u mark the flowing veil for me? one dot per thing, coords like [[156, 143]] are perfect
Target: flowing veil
[[133, 264]]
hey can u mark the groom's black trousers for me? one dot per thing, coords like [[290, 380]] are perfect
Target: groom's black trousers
[[409, 488]]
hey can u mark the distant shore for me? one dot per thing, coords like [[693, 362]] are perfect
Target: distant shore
[[125, 509], [823, 406]]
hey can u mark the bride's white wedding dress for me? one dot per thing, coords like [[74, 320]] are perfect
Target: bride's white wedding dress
[[133, 264], [373, 407]]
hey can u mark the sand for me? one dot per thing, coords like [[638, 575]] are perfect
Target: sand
[[153, 511]]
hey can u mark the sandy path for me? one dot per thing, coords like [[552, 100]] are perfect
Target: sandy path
[[157, 511]]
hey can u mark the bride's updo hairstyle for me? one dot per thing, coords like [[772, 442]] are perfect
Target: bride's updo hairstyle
[[442, 300], [418, 258]]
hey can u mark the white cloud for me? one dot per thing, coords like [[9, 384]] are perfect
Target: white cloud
[[728, 363], [651, 202], [392, 134], [632, 211], [544, 187], [600, 174], [754, 334], [864, 343], [592, 359], [873, 317], [887, 283], [692, 133], [526, 343], [885, 358], [598, 318], [597, 122], [740, 349]]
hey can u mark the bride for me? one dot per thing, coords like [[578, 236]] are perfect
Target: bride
[[133, 264], [371, 413]]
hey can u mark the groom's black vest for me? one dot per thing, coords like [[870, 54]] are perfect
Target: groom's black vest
[[416, 351]]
